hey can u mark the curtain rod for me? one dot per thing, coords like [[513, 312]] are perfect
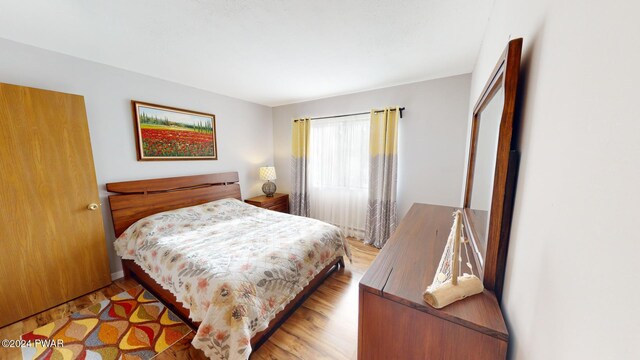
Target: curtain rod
[[352, 114]]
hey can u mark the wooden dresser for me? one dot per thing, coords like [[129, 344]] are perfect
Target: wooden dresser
[[394, 321], [277, 202]]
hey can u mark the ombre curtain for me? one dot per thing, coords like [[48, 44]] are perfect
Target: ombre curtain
[[299, 199], [381, 217]]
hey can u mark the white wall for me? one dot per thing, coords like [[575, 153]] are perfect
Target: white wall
[[431, 134], [244, 129], [571, 286]]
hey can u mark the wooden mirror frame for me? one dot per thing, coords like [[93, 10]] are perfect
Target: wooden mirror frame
[[505, 75]]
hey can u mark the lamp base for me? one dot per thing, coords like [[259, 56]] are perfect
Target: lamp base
[[269, 188]]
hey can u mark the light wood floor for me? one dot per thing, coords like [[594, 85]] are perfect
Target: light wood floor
[[325, 326]]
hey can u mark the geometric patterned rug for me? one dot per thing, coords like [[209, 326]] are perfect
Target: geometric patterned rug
[[130, 325]]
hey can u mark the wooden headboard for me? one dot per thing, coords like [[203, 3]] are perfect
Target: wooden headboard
[[140, 198]]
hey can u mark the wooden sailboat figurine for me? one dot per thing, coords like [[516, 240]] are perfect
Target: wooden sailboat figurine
[[448, 286]]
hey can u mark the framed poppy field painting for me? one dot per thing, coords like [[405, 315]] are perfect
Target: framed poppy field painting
[[167, 133]]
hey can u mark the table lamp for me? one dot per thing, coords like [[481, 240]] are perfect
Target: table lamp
[[268, 173]]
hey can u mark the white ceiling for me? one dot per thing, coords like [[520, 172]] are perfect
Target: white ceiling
[[271, 52]]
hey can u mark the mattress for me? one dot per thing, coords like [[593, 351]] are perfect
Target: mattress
[[233, 265]]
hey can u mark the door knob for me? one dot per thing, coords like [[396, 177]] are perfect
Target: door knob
[[92, 207]]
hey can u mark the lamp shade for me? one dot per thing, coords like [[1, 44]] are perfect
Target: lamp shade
[[267, 173]]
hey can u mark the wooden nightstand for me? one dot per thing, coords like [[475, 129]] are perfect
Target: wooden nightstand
[[278, 202]]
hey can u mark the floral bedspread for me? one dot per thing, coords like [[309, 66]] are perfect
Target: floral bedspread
[[233, 265]]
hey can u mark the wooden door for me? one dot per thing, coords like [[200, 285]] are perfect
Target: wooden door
[[52, 245]]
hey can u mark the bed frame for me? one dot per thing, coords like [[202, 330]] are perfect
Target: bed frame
[[135, 200]]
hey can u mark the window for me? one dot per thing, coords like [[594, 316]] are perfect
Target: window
[[339, 172]]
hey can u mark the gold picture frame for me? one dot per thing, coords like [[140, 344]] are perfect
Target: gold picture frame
[[168, 133]]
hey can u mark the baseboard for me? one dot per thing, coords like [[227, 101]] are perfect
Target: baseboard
[[117, 275]]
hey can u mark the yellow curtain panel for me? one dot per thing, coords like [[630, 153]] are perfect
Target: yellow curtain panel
[[381, 217], [299, 154], [384, 132]]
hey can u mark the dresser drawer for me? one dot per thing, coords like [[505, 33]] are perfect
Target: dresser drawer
[[383, 320]]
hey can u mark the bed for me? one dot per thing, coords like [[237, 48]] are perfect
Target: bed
[[232, 271]]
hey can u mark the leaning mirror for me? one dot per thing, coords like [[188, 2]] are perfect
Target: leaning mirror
[[481, 186], [490, 169]]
